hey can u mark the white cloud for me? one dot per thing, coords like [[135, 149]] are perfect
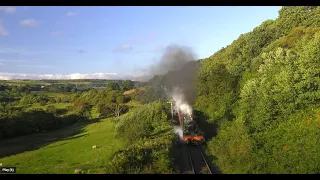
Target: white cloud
[[7, 9], [113, 76], [3, 31], [29, 22], [70, 13]]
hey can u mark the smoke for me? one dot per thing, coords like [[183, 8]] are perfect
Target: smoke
[[173, 59], [178, 130], [175, 72], [176, 78]]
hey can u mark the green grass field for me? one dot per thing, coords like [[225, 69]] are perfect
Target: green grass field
[[73, 150]]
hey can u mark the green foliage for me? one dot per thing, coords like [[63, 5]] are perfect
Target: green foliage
[[233, 147], [127, 85], [120, 99], [144, 157], [111, 110], [220, 89], [112, 86], [15, 123], [149, 136], [141, 122], [51, 109], [270, 80], [43, 102]]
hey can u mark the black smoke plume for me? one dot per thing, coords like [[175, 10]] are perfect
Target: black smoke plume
[[176, 70]]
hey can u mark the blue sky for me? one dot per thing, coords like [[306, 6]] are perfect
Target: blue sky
[[60, 41]]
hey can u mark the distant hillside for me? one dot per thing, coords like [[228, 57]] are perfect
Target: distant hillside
[[88, 83]]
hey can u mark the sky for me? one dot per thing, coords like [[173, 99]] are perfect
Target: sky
[[110, 42]]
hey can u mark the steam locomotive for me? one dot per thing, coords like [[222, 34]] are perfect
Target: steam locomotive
[[191, 132]]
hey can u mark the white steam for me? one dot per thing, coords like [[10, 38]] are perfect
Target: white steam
[[178, 130], [180, 103]]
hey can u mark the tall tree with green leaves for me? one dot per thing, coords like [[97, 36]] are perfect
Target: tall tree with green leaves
[[127, 85], [112, 86]]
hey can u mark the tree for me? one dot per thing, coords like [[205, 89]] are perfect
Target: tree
[[51, 109], [112, 86], [117, 110], [43, 102], [127, 85], [309, 72], [120, 99], [113, 109]]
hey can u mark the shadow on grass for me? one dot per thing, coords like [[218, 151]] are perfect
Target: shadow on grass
[[36, 141]]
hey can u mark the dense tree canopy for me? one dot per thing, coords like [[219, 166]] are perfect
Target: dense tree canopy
[[264, 91], [127, 85]]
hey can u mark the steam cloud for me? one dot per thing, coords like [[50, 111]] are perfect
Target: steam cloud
[[180, 103], [175, 74], [178, 130]]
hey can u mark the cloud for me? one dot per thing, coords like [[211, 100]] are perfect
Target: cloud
[[123, 48], [181, 28], [7, 9], [3, 30], [113, 76], [70, 13], [29, 22]]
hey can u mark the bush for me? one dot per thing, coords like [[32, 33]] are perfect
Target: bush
[[43, 103], [15, 123], [51, 109], [149, 149], [70, 108]]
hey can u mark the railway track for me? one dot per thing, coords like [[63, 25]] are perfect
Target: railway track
[[198, 162]]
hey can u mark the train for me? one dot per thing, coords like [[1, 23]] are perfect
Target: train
[[191, 133]]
